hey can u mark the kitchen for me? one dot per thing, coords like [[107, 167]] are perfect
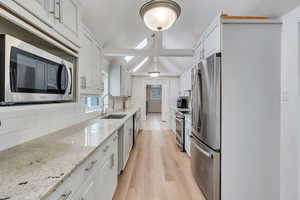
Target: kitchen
[[74, 120]]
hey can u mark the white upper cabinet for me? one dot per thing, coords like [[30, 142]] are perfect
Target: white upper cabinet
[[186, 82], [90, 66], [63, 16], [66, 15], [212, 37], [120, 81], [38, 8]]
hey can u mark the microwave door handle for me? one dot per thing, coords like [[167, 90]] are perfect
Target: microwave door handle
[[67, 92]]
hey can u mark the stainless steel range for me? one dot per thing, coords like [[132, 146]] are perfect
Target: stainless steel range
[[180, 128]]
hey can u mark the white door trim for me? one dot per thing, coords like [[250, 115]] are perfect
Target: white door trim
[[164, 101]]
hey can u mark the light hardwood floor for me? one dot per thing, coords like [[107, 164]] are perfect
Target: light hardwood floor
[[157, 170]]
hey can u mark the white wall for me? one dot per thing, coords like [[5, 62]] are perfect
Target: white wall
[[137, 99], [290, 124]]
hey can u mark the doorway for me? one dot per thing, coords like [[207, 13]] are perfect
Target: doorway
[[153, 100]]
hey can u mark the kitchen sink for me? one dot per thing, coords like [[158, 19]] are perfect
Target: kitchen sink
[[114, 116]]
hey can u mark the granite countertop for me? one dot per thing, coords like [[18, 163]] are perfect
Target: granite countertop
[[33, 170]]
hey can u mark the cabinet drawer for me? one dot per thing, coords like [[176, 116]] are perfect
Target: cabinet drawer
[[73, 183], [95, 160]]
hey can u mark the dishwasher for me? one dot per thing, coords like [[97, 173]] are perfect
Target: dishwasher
[[120, 149]]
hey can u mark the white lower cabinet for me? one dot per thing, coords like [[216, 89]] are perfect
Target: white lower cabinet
[[88, 190], [96, 178], [128, 140]]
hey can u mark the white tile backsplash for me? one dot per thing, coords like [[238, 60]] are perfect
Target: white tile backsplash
[[24, 123]]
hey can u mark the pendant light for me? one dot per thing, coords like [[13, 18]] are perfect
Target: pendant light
[[155, 73], [160, 15]]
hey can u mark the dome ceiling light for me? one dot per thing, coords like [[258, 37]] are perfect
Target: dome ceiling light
[[160, 15]]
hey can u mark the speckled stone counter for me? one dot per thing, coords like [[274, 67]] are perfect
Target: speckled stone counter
[[35, 169]]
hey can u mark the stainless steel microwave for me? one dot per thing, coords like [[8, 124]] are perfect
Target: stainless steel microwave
[[31, 75]]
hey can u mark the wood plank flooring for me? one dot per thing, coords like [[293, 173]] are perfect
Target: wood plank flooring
[[157, 170]]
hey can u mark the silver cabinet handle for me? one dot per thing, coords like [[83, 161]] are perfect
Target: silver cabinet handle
[[112, 161], [65, 196], [91, 165], [58, 3], [53, 11]]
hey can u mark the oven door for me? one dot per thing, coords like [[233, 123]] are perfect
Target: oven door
[[206, 169], [34, 75], [179, 131]]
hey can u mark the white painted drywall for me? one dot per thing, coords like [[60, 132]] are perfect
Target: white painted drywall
[[251, 112], [290, 126]]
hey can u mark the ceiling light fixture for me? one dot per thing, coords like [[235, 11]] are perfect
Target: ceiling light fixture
[[154, 74], [160, 15]]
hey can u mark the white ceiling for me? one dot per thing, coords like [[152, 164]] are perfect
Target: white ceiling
[[116, 23]]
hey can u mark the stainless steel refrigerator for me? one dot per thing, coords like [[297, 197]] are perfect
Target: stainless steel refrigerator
[[206, 123]]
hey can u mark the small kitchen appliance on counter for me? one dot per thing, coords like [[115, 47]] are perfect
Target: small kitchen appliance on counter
[[183, 102]]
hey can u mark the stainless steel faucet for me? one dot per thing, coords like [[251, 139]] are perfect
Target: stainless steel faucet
[[113, 103]]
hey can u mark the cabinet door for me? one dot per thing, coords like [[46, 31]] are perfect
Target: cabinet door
[[129, 92], [96, 72], [188, 80], [67, 19], [123, 82], [126, 145], [88, 190], [38, 8], [107, 178], [212, 43], [85, 64]]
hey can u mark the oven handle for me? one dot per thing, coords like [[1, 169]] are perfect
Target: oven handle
[[178, 119], [207, 154]]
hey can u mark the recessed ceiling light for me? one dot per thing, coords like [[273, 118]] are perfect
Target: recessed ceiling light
[[160, 15]]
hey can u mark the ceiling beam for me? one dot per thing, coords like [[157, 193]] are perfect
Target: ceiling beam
[[149, 52]]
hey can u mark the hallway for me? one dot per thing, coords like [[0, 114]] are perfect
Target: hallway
[[157, 170]]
